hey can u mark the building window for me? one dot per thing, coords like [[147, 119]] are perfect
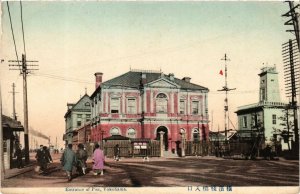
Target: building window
[[161, 103], [115, 105], [274, 119], [131, 105], [87, 104], [195, 107], [244, 121], [182, 107], [131, 133], [196, 135], [115, 131], [263, 94], [88, 117], [79, 117]]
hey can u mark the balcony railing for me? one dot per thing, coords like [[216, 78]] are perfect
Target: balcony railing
[[263, 103]]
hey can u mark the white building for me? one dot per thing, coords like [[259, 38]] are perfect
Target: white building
[[76, 116], [267, 116]]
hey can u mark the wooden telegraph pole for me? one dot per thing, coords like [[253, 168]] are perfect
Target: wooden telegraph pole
[[291, 49], [23, 68], [14, 101]]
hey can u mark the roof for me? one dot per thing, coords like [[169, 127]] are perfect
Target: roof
[[214, 136], [132, 79], [9, 123], [260, 106], [116, 137], [80, 105], [140, 139]]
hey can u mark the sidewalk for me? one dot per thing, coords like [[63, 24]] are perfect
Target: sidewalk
[[9, 173]]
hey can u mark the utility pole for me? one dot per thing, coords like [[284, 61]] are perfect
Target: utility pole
[[24, 71], [14, 101], [293, 21], [226, 89], [293, 16], [291, 71]]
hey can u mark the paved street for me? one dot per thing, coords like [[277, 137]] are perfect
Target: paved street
[[208, 171]]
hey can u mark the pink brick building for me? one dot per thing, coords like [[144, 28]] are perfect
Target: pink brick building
[[140, 104]]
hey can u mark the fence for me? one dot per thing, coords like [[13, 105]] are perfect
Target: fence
[[152, 148], [201, 148], [210, 148], [127, 148]]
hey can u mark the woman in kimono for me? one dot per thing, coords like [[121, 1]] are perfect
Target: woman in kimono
[[98, 160]]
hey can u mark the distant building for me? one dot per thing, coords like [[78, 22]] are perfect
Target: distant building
[[140, 104], [265, 118], [76, 116], [82, 135], [11, 140]]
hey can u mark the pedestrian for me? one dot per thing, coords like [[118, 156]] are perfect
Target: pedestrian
[[98, 160], [41, 159], [19, 156], [117, 152], [68, 160], [47, 155], [82, 156]]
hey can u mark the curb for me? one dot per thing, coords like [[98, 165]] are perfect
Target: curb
[[28, 168]]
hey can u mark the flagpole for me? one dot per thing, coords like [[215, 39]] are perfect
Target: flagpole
[[226, 89]]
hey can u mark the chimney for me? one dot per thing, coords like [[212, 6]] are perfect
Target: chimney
[[98, 77], [187, 79], [143, 79], [171, 76]]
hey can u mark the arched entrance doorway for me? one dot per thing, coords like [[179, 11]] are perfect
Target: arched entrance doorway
[[165, 140]]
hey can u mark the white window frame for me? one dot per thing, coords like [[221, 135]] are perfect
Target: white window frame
[[198, 110], [182, 109], [195, 131], [161, 103], [274, 119], [131, 134], [115, 131], [131, 108], [244, 122], [116, 106]]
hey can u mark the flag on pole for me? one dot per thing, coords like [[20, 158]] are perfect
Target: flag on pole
[[221, 72]]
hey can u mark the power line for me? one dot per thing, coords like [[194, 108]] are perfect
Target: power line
[[22, 27], [62, 78], [13, 35]]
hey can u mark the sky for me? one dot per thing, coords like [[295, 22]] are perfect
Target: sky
[[73, 40]]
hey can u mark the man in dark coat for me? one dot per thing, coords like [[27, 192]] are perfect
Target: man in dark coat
[[47, 154], [68, 160], [41, 158], [117, 152], [82, 156], [19, 156]]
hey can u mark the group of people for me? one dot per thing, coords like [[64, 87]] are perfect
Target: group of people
[[71, 159]]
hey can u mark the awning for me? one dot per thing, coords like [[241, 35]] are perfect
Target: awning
[[116, 137]]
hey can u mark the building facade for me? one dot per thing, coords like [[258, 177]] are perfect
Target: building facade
[[82, 134], [11, 140], [76, 116], [267, 116], [140, 104]]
